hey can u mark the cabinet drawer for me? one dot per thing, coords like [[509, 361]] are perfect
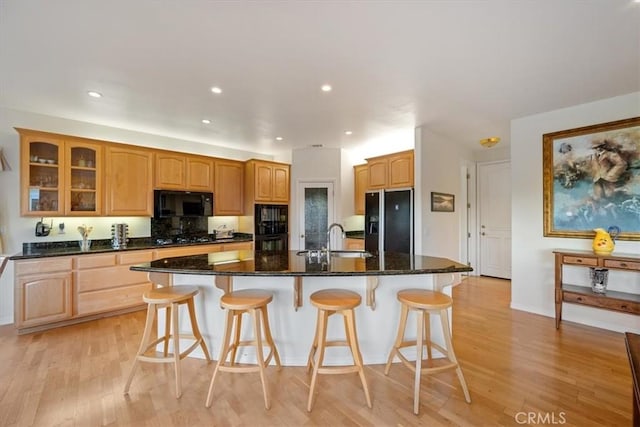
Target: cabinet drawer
[[628, 265], [602, 301], [43, 265], [111, 299], [240, 246], [135, 257], [580, 260], [93, 261], [187, 250], [104, 278]]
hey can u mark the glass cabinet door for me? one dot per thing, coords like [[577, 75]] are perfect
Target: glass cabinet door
[[44, 178], [83, 181]]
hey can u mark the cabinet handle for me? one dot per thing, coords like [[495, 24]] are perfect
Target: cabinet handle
[[578, 260], [623, 264], [579, 299], [624, 307]]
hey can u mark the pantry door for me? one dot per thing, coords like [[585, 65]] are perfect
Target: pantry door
[[315, 213]]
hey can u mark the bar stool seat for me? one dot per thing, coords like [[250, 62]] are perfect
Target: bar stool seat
[[425, 303], [170, 298], [253, 302], [329, 302]]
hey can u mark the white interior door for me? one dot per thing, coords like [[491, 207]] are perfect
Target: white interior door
[[315, 211], [494, 182]]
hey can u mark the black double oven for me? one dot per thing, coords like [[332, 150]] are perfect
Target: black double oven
[[271, 227]]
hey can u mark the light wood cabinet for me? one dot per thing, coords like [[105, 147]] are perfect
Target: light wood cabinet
[[354, 244], [42, 291], [391, 171], [104, 282], [128, 181], [176, 171], [60, 175], [186, 251], [361, 182], [266, 182], [228, 193]]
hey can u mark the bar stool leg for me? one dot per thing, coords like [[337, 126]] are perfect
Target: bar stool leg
[[314, 345], [419, 344], [146, 335], [352, 339], [322, 336], [399, 337], [427, 334], [167, 329], [223, 354], [269, 338], [255, 315], [176, 348], [238, 329], [446, 331], [196, 330]]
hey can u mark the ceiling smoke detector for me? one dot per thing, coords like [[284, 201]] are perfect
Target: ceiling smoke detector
[[489, 142]]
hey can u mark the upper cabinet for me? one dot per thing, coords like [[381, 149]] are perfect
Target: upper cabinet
[[266, 182], [60, 175], [391, 171], [176, 171], [228, 193], [361, 181], [128, 181]]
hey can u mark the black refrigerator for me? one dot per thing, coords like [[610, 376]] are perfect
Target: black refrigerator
[[388, 221]]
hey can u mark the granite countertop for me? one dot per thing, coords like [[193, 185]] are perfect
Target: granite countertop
[[64, 248], [288, 263]]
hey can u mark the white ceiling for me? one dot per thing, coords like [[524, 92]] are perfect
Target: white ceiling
[[463, 69]]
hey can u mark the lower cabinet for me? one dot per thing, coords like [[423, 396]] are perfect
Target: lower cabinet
[[354, 244], [42, 291]]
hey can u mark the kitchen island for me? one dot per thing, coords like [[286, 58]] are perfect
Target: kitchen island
[[292, 276]]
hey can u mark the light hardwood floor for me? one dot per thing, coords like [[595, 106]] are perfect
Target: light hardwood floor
[[517, 365]]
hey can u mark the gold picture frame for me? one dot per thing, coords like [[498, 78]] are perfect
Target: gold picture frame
[[591, 179]]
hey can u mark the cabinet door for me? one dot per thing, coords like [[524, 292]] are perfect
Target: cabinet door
[[43, 298], [263, 182], [170, 171], [199, 174], [378, 173], [128, 181], [41, 174], [228, 194], [83, 179], [361, 180], [280, 183], [401, 170]]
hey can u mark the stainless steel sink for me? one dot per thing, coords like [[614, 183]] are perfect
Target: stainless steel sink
[[338, 254]]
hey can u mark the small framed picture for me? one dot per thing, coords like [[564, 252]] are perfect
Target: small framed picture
[[442, 202]]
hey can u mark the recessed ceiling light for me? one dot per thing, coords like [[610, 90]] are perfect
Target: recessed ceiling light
[[206, 121], [216, 90], [326, 88], [94, 94], [348, 132], [279, 138]]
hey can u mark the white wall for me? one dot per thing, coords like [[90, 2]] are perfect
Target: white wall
[[532, 285], [16, 230]]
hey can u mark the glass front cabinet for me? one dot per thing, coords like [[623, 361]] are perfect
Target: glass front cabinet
[[60, 176]]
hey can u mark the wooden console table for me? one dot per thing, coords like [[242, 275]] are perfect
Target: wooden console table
[[611, 300], [633, 352]]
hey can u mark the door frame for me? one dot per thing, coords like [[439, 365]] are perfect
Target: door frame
[[330, 184]]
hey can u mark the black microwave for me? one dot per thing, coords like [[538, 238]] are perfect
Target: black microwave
[[168, 204]]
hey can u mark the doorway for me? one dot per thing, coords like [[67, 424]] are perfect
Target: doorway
[[315, 213], [494, 219]]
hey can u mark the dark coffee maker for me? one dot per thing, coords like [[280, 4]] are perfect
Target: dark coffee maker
[[43, 229]]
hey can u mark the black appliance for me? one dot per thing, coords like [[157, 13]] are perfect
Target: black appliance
[[388, 221], [271, 227], [167, 204]]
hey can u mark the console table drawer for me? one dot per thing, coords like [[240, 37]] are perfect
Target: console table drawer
[[626, 265], [602, 301], [580, 260]]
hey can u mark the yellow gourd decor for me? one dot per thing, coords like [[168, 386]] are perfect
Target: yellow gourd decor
[[602, 243]]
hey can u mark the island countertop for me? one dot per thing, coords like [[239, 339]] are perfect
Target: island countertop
[[289, 263]]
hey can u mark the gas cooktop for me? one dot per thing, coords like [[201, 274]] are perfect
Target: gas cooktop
[[184, 240]]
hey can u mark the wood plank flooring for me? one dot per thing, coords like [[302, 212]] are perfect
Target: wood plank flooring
[[517, 366]]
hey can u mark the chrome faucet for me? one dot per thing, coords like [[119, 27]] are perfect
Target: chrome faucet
[[335, 224]]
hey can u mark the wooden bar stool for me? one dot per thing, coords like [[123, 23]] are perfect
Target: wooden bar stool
[[254, 302], [170, 298], [329, 302], [425, 303]]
